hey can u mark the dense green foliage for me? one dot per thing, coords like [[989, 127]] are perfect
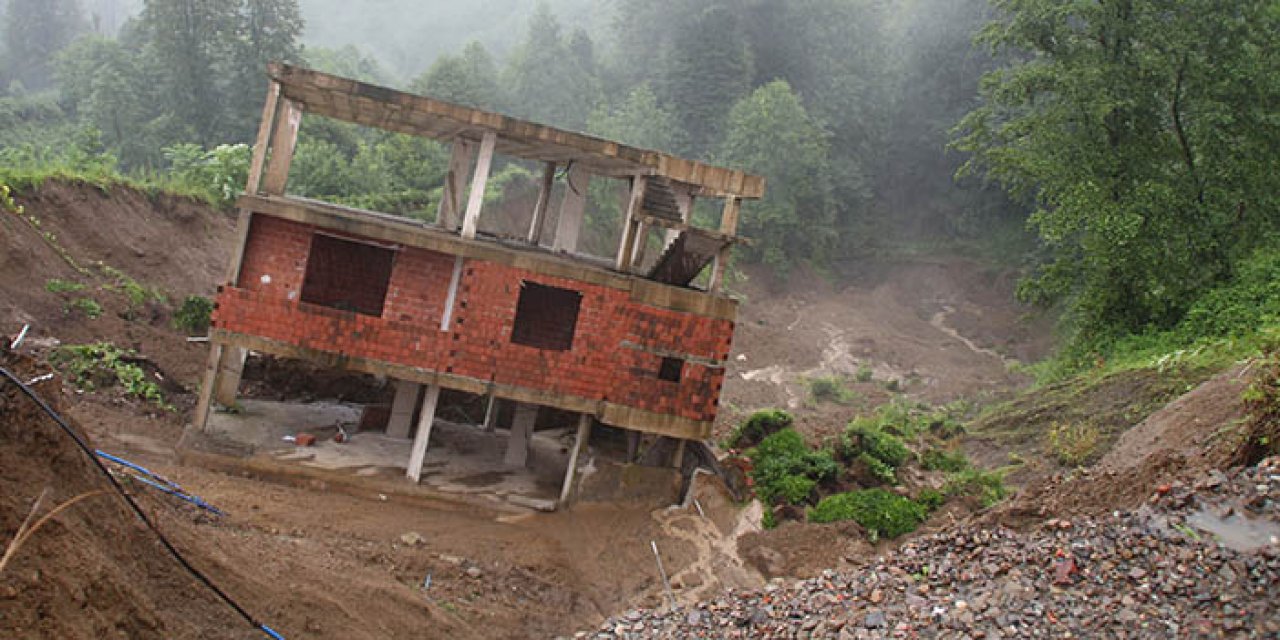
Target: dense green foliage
[[786, 470], [1145, 133], [882, 513], [194, 314], [759, 426], [104, 365]]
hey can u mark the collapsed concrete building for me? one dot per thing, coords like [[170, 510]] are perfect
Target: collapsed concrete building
[[629, 340]]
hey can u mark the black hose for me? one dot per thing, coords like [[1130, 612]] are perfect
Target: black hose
[[88, 451]]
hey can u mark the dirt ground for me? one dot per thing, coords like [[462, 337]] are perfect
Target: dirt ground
[[315, 562]]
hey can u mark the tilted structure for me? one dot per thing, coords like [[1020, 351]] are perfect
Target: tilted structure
[[629, 341]]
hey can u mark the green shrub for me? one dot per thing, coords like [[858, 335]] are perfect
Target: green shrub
[[881, 471], [865, 436], [87, 306], [936, 459], [987, 485], [881, 513], [1073, 444], [759, 426], [930, 499], [829, 389], [62, 286], [194, 315], [786, 470], [864, 374]]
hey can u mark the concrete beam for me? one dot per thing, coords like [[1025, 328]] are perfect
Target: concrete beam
[[230, 370], [521, 435], [584, 433], [402, 408], [427, 418], [475, 200]]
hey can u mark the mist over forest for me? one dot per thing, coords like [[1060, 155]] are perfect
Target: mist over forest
[[1119, 153]]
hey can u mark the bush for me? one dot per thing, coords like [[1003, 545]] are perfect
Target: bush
[[881, 513], [936, 459], [194, 315], [864, 374], [930, 499], [879, 470], [829, 389], [759, 426], [786, 470], [864, 436]]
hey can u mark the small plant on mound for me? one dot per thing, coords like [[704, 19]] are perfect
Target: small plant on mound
[[936, 459], [102, 364], [830, 389], [864, 374], [930, 499], [1262, 404], [87, 306], [1073, 444], [786, 471], [6, 200], [988, 486], [194, 314], [882, 513], [759, 426]]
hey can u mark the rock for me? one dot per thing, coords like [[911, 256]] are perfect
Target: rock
[[412, 538], [875, 620], [474, 572]]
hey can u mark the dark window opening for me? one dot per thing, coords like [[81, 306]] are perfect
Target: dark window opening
[[671, 369], [546, 317], [346, 275]]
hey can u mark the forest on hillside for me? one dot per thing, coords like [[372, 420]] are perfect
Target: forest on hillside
[[1126, 146]]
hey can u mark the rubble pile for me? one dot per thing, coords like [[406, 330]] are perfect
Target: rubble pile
[[1199, 559]]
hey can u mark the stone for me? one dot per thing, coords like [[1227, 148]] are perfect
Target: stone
[[412, 538]]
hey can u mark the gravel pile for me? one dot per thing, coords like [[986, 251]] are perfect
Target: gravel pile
[[1154, 572]]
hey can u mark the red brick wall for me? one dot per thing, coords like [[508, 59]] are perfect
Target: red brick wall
[[612, 357]]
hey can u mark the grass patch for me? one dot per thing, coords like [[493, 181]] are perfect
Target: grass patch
[[104, 365], [1073, 445], [936, 459], [62, 286], [882, 513], [88, 307], [988, 486]]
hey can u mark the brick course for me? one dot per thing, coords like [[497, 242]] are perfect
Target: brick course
[[617, 349]]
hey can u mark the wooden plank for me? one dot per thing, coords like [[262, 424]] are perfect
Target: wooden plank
[[718, 269], [282, 148], [449, 212], [544, 199], [569, 224], [423, 438], [476, 201], [729, 215]]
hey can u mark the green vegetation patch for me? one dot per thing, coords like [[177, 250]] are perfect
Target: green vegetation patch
[[104, 365], [882, 513], [759, 426], [830, 389], [786, 471], [194, 315], [988, 486], [62, 286], [936, 459]]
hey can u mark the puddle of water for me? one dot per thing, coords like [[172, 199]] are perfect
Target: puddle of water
[[1236, 531]]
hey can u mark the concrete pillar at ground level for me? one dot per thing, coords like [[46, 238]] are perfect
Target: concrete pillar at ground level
[[230, 370], [426, 418], [402, 408], [521, 435]]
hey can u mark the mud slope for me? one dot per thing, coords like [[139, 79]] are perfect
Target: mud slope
[[173, 244]]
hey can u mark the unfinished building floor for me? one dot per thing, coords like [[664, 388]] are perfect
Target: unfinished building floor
[[463, 459]]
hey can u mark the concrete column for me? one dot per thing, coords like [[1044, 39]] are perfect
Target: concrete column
[[633, 445], [569, 224], [207, 383], [521, 435], [584, 433], [230, 370], [491, 414], [677, 458], [402, 407], [427, 418]]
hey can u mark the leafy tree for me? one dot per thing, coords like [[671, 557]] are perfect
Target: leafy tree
[[268, 31], [348, 62], [469, 79], [1144, 132], [639, 121], [770, 132], [189, 39], [550, 82], [110, 86], [706, 71], [34, 31]]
